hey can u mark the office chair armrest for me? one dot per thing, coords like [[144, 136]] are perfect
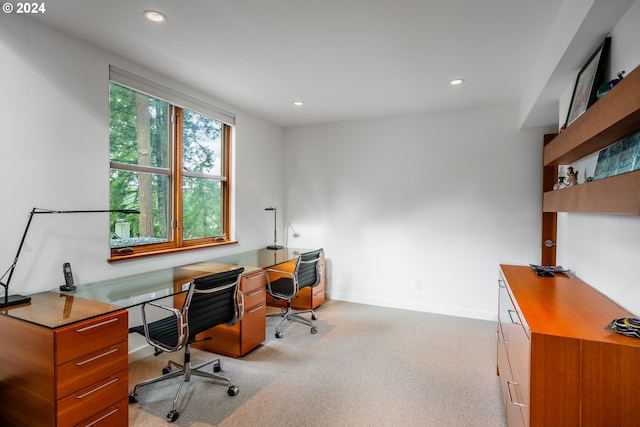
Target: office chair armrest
[[273, 270], [239, 309], [181, 325]]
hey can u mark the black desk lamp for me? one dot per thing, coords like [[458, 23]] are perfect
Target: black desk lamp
[[9, 300], [275, 227]]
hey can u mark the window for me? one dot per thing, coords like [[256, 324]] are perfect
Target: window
[[172, 164]]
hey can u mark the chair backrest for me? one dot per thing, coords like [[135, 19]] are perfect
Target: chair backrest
[[212, 300], [308, 269]]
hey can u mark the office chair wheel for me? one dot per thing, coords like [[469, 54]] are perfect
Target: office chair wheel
[[173, 415], [314, 317], [133, 397], [216, 367], [314, 329], [278, 335], [232, 391], [166, 370]]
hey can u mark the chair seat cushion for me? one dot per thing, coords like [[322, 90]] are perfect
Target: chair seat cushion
[[282, 288]]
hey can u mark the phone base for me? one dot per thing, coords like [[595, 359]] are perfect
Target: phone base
[[68, 288]]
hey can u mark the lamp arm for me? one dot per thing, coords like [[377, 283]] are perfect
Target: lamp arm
[[26, 230], [15, 261]]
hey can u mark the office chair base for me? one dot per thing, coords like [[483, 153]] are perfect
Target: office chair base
[[288, 315], [185, 371]]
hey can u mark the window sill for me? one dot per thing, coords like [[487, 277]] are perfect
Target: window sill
[[144, 254]]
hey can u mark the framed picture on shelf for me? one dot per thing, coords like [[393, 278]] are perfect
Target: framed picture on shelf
[[585, 92]]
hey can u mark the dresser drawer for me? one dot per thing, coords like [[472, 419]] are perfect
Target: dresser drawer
[[87, 402], [254, 297], [87, 337], [114, 416], [91, 368], [253, 281], [253, 327]]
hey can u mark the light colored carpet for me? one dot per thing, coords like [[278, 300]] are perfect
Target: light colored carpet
[[366, 366]]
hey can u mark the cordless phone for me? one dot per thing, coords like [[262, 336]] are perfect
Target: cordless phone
[[68, 278]]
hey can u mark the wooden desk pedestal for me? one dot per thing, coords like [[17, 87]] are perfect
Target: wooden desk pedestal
[[250, 332], [64, 362]]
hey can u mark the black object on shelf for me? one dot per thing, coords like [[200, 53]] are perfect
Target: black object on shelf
[[548, 270]]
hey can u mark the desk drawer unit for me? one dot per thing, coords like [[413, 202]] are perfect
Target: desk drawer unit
[[250, 332], [91, 368], [75, 374]]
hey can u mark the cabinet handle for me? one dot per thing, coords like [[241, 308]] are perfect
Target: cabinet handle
[[501, 283], [511, 397], [84, 362], [511, 317], [256, 292], [255, 309], [500, 340], [102, 417], [97, 325], [82, 396]]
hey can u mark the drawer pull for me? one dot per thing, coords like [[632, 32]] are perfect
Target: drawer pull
[[84, 362], [256, 292], [511, 397], [501, 283], [82, 396], [500, 340], [102, 417], [255, 309], [510, 316], [97, 325]]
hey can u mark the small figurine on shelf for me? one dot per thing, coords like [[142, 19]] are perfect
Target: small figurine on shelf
[[560, 184], [561, 179], [573, 177]]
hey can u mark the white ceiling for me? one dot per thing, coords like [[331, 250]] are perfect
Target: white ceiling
[[346, 59]]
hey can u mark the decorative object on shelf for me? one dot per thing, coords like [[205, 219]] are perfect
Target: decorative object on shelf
[[573, 177], [548, 270], [587, 178], [587, 82], [620, 157], [561, 179], [560, 184], [628, 326], [606, 87], [20, 299]]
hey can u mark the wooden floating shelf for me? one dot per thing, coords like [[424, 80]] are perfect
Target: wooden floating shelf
[[613, 117], [616, 194]]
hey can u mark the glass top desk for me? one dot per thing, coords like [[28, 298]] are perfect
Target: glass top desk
[[137, 289]]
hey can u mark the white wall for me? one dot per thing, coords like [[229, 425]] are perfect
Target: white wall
[[416, 212], [604, 250], [54, 121]]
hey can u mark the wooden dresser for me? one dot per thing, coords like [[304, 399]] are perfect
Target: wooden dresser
[[64, 363], [557, 363]]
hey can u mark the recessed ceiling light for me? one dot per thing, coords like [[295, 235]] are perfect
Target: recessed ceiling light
[[457, 81], [154, 16], [298, 103]]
